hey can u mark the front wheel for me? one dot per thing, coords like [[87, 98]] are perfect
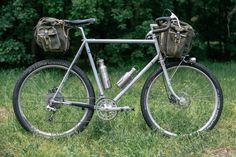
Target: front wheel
[[37, 86], [200, 105]]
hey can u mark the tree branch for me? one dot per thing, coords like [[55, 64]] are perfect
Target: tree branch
[[231, 13]]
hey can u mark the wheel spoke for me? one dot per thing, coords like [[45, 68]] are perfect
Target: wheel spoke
[[192, 112], [36, 92]]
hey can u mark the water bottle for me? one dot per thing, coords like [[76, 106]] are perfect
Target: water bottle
[[103, 74], [125, 79]]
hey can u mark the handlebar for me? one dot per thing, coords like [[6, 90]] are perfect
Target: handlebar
[[162, 20]]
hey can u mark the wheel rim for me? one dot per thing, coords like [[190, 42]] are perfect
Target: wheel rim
[[32, 101], [173, 119]]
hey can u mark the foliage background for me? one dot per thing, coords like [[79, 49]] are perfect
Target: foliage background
[[118, 19], [213, 20]]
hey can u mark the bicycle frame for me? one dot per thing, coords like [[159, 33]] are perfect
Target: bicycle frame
[[86, 43]]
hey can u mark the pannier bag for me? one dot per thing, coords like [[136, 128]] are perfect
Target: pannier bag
[[52, 35], [177, 41]]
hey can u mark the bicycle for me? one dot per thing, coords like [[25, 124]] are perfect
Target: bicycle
[[55, 98]]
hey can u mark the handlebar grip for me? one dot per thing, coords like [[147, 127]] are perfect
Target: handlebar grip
[[163, 19]]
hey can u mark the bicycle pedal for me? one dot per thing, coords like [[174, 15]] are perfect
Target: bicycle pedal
[[126, 108]]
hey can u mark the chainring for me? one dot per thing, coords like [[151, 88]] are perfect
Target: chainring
[[103, 108]]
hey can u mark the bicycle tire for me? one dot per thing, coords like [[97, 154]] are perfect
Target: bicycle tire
[[173, 119], [32, 92]]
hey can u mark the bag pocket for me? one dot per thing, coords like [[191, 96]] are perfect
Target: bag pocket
[[176, 44], [48, 38], [177, 41]]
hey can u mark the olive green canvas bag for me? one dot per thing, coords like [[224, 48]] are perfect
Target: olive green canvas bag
[[52, 35], [177, 41]]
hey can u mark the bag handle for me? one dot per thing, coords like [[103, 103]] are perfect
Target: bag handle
[[161, 20]]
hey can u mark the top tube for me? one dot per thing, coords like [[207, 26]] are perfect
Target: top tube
[[129, 41]]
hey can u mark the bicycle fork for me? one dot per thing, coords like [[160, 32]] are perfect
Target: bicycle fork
[[163, 66], [168, 80]]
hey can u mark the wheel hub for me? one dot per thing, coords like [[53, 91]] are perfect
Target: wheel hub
[[184, 100], [50, 104]]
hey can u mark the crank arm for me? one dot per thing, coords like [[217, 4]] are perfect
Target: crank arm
[[51, 108], [121, 109]]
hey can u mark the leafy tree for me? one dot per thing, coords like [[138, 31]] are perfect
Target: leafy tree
[[116, 19], [18, 18], [16, 22], [213, 20]]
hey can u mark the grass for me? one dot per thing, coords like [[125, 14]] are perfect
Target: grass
[[126, 135]]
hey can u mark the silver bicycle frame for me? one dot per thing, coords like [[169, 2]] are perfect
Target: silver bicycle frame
[[86, 43]]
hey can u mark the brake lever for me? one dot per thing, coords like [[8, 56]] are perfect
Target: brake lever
[[149, 35]]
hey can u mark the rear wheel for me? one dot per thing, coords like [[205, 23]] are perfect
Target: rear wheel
[[200, 105], [38, 85]]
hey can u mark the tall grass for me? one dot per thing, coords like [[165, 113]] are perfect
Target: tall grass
[[127, 134]]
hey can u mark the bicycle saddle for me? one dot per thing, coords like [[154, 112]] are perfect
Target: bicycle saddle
[[80, 22]]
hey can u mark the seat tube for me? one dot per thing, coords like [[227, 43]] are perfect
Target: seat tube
[[91, 60]]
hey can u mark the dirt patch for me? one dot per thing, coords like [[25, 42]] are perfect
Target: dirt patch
[[223, 152], [3, 114], [227, 125]]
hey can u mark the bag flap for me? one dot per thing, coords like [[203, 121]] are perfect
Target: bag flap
[[47, 31]]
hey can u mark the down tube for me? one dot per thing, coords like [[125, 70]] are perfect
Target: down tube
[[137, 77]]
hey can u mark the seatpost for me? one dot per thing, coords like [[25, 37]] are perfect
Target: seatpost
[[82, 32]]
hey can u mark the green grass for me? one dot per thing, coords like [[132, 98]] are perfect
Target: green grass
[[127, 134]]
